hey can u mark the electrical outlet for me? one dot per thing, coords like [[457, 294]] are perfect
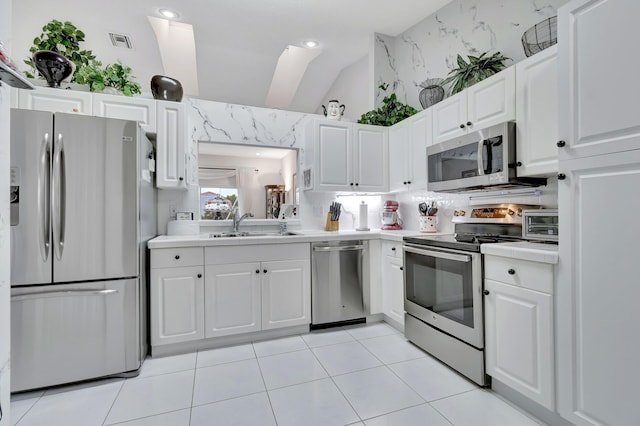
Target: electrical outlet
[[173, 211]]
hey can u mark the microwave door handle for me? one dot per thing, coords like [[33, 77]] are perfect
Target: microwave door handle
[[487, 144], [481, 157]]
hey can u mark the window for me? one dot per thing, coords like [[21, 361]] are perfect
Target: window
[[218, 193]]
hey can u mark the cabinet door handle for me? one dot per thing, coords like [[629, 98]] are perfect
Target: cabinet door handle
[[485, 292], [199, 275], [264, 270], [180, 178], [562, 176], [393, 249], [462, 126], [560, 144], [351, 184], [404, 183], [409, 182], [402, 268], [257, 271], [357, 184], [519, 164], [511, 271], [177, 256], [469, 123]]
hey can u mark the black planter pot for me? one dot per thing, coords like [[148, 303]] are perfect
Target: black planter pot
[[166, 88], [53, 66]]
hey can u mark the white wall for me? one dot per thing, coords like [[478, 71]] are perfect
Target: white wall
[[351, 88], [429, 48], [5, 271]]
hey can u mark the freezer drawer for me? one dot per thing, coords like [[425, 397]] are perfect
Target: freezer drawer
[[336, 281], [66, 333]]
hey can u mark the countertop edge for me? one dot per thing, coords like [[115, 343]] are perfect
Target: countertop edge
[[303, 236]]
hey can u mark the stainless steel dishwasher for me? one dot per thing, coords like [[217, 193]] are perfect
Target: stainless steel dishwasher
[[336, 282]]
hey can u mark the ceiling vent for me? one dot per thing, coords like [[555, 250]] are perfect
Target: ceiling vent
[[121, 40]]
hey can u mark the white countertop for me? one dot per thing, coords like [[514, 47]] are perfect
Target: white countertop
[[535, 252], [302, 236]]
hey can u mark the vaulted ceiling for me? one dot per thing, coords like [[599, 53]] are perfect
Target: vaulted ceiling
[[237, 42]]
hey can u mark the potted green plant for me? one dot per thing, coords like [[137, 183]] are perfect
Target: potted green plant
[[477, 69], [391, 112], [64, 38], [115, 75]]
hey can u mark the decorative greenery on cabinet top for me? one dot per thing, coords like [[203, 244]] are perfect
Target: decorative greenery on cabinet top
[[391, 112]]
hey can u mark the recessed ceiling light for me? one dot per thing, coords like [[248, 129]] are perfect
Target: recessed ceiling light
[[310, 43], [167, 13]]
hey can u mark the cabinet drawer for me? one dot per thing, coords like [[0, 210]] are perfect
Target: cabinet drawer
[[533, 275], [392, 249], [177, 257]]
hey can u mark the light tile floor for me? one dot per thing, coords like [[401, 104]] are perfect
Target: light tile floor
[[363, 375]]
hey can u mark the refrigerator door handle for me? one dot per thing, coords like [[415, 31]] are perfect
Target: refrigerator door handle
[[44, 194], [58, 197], [68, 293]]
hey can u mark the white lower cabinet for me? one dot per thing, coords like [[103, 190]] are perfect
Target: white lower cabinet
[[286, 293], [177, 311], [199, 294], [519, 327], [232, 299], [257, 287], [392, 282]]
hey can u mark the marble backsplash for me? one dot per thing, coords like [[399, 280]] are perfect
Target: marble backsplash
[[467, 27]]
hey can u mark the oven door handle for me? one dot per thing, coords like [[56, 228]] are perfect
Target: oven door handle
[[439, 254]]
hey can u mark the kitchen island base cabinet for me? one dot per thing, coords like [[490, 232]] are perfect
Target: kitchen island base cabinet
[[177, 312]]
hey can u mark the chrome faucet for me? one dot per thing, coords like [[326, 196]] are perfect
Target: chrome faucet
[[236, 221]]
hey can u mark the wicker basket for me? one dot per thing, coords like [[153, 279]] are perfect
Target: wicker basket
[[540, 36]]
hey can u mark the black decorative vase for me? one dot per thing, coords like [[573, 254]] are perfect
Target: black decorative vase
[[166, 88], [53, 66]]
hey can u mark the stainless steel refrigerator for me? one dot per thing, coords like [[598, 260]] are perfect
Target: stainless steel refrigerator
[[83, 206]]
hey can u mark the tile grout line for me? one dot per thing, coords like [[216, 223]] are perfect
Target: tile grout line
[[27, 412], [146, 417], [193, 388], [273, 413], [114, 401]]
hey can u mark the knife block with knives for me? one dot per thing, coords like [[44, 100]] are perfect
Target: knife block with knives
[[333, 217]]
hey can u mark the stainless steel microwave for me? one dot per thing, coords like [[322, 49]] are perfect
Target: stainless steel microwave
[[481, 160]]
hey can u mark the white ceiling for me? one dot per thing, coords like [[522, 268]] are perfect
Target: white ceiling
[[238, 42]]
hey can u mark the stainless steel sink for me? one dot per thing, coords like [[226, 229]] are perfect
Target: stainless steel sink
[[250, 234]]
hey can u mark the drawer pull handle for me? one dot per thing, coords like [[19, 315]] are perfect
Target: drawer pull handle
[[485, 292], [511, 271], [199, 275], [257, 271], [393, 249], [177, 257], [561, 144], [264, 270], [462, 126]]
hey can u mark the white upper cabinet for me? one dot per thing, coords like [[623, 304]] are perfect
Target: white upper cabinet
[[56, 100], [126, 108], [598, 96], [171, 166], [537, 114], [349, 157], [484, 104], [408, 141]]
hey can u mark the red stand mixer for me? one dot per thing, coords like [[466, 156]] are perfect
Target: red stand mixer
[[390, 218]]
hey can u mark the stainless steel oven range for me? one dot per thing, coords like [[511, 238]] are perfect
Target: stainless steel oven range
[[443, 283]]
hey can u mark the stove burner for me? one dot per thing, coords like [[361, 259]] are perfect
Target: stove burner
[[482, 238]]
